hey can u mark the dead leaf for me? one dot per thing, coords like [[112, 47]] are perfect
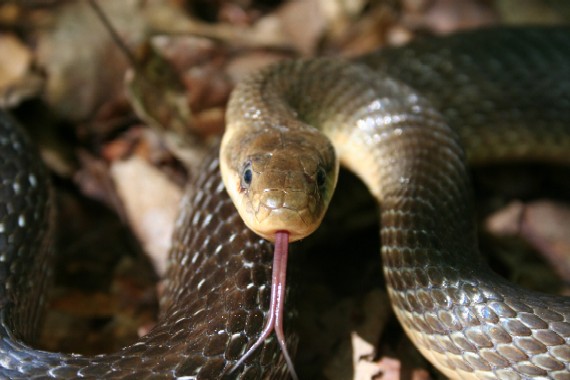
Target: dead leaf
[[533, 11], [543, 225], [17, 82], [445, 16], [151, 204], [83, 65]]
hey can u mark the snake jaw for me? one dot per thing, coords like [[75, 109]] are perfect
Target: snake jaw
[[266, 222], [283, 219]]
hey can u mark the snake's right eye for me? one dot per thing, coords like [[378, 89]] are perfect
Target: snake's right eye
[[246, 176]]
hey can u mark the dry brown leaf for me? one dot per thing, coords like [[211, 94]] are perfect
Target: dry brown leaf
[[304, 24], [16, 80], [374, 314], [543, 225], [151, 203], [86, 304], [445, 16], [340, 15], [533, 11], [83, 65], [95, 182], [506, 221], [15, 59], [266, 32], [363, 369]]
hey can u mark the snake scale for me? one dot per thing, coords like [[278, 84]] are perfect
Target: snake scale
[[405, 120]]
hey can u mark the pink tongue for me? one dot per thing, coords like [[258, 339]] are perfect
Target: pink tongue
[[276, 310]]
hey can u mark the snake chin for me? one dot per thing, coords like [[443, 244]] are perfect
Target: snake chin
[[281, 219]]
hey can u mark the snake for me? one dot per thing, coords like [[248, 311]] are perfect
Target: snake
[[407, 120]]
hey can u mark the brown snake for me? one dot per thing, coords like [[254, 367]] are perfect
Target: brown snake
[[400, 119]]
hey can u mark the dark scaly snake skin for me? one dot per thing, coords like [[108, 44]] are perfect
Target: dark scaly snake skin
[[213, 304], [466, 320]]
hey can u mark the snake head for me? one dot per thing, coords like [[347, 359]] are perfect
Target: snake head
[[281, 183]]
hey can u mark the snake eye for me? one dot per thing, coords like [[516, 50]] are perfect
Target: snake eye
[[246, 176], [321, 177]]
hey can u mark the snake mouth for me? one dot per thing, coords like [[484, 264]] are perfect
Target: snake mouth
[[270, 211], [268, 222]]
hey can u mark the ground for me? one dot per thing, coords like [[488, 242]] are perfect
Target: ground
[[104, 122]]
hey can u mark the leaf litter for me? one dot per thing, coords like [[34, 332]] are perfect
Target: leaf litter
[[89, 108]]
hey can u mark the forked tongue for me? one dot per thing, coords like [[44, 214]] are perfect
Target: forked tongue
[[274, 322]]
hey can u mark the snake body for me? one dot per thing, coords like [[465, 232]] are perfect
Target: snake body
[[402, 119]]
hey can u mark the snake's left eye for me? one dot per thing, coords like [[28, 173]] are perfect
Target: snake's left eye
[[246, 176], [321, 177]]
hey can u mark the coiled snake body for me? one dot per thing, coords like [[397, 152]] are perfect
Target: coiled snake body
[[400, 119]]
